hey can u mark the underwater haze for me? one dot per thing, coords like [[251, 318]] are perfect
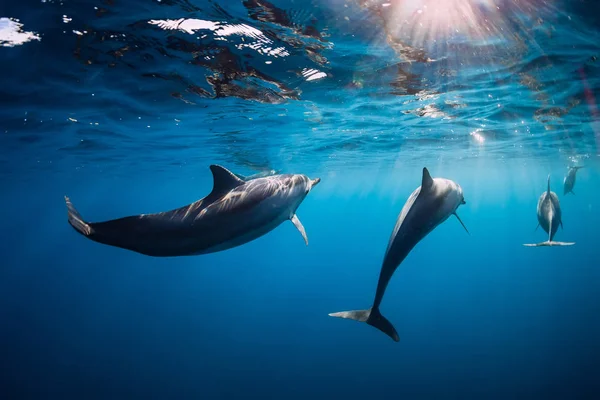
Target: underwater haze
[[123, 105]]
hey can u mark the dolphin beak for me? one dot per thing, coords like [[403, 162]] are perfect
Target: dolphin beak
[[315, 182]]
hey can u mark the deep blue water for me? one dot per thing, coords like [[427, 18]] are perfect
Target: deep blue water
[[123, 106]]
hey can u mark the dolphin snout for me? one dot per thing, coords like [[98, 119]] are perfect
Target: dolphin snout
[[315, 182]]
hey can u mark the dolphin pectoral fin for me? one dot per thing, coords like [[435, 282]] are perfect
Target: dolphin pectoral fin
[[561, 225], [299, 226], [76, 220], [463, 225], [549, 244], [372, 317]]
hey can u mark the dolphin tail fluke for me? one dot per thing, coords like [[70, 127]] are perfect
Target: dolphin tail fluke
[[76, 221], [549, 244], [372, 317]]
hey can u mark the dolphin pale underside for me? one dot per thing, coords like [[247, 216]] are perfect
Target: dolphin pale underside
[[549, 242]]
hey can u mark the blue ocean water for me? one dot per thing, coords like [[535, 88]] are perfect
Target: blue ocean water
[[123, 106]]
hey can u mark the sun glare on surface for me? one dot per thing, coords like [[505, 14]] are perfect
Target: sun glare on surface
[[424, 21]]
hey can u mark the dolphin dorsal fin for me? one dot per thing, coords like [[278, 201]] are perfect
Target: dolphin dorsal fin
[[223, 179], [548, 183], [426, 181]]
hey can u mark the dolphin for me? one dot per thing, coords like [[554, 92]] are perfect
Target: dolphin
[[261, 174], [569, 181], [549, 217], [235, 212], [427, 207]]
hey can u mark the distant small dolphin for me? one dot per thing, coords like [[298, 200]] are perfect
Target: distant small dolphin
[[569, 181], [262, 174], [549, 217], [427, 207], [234, 213]]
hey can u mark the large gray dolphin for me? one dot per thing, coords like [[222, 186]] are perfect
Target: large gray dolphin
[[427, 207], [549, 217], [569, 181], [234, 213]]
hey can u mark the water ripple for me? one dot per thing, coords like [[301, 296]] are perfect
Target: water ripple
[[273, 84]]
